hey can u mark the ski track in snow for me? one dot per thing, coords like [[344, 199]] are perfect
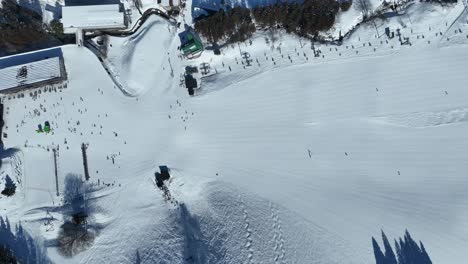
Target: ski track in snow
[[280, 253], [248, 231], [427, 119]]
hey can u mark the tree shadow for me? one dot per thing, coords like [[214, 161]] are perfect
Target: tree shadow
[[23, 246], [138, 258], [198, 248], [75, 195], [407, 251], [79, 230], [195, 250]]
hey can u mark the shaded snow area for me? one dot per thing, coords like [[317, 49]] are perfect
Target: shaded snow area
[[293, 159]]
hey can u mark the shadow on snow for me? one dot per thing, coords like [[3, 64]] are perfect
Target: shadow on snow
[[23, 246]]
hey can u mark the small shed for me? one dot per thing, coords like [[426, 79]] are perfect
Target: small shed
[[92, 17], [190, 84], [162, 176]]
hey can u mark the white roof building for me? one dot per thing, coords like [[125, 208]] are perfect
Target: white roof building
[[31, 74], [88, 17]]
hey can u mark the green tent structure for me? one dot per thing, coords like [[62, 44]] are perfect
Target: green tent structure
[[190, 43], [47, 127]]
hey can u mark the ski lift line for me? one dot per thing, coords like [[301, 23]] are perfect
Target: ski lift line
[[85, 160], [56, 172]]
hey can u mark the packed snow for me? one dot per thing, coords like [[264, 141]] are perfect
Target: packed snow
[[287, 158]]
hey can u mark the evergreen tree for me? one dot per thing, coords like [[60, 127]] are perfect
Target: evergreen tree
[[56, 28], [305, 19], [345, 5]]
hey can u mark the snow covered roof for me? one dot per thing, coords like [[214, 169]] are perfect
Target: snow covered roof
[[30, 73], [91, 17]]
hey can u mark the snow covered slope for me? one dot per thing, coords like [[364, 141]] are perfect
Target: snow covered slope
[[291, 160], [377, 157]]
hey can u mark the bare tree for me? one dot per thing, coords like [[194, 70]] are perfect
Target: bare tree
[[74, 239]]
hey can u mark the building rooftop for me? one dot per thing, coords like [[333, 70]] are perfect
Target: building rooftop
[[190, 43], [92, 17], [30, 73]]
